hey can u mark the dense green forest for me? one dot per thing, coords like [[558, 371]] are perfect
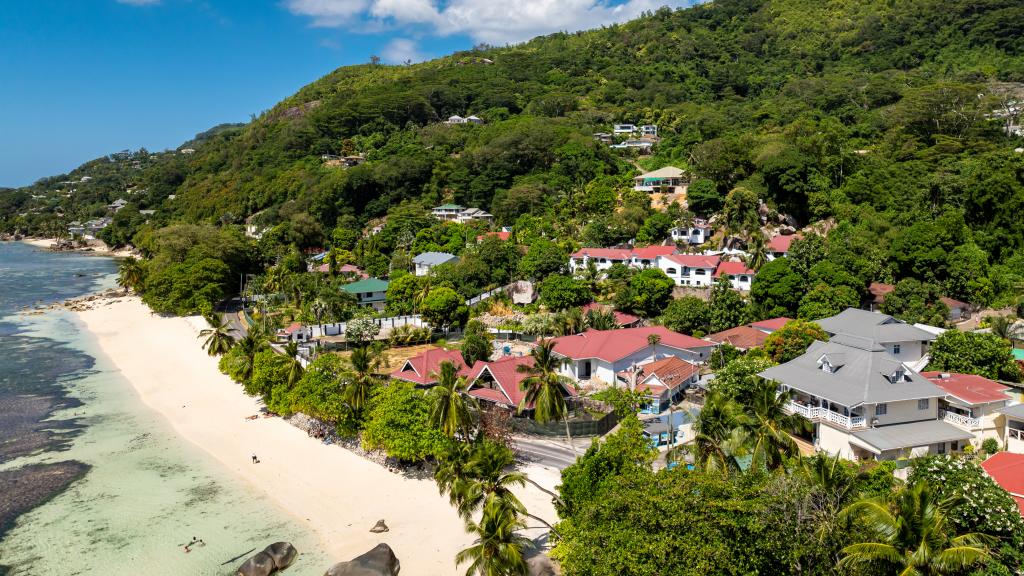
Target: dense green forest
[[883, 119]]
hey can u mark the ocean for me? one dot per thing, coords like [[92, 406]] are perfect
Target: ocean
[[91, 481]]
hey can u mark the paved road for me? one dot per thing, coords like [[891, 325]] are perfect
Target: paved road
[[551, 452]]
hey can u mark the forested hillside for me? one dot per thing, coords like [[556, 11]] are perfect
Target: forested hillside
[[887, 119]]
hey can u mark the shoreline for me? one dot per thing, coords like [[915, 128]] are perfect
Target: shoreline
[[100, 250], [338, 494]]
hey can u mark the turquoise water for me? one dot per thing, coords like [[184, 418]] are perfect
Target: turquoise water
[[146, 493]]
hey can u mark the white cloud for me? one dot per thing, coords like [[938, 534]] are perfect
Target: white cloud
[[400, 50], [491, 21], [139, 2]]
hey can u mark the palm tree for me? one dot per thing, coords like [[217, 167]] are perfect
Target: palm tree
[[295, 369], [359, 378], [218, 337], [485, 476], [545, 387], [498, 549], [570, 322], [130, 274], [452, 469], [720, 438], [421, 294], [451, 410], [757, 251], [250, 344], [912, 536], [770, 426], [601, 319]]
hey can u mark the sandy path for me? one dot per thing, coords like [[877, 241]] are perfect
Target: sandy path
[[338, 493]]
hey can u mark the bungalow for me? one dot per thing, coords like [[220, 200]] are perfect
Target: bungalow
[[294, 332], [957, 310], [344, 269], [447, 212], [422, 368], [778, 247], [474, 120], [1013, 430], [661, 381], [696, 234], [503, 236], [689, 269], [904, 342], [971, 403], [116, 205], [738, 274], [369, 292], [470, 214], [426, 261], [1007, 470], [500, 382], [601, 354], [864, 403], [771, 325], [666, 179], [455, 119]]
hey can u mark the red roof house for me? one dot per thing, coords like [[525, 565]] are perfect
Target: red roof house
[[503, 236], [779, 245], [969, 388], [622, 319], [500, 381], [742, 337], [771, 325], [614, 345], [733, 269], [1008, 471], [343, 269], [422, 368], [693, 260]]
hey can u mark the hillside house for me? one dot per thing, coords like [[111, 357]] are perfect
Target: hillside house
[[738, 274], [695, 235], [644, 146], [447, 212], [771, 325], [470, 214], [649, 130], [621, 129], [601, 354], [864, 403], [622, 320], [426, 261], [743, 338], [689, 269], [904, 342], [369, 292], [605, 258], [972, 403], [662, 382], [116, 205], [667, 180], [422, 368], [778, 247]]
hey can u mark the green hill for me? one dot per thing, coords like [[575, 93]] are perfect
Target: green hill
[[878, 115]]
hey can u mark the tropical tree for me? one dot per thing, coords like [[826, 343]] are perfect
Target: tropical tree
[[757, 251], [769, 427], [295, 369], [451, 409], [359, 378], [545, 387], [601, 319], [499, 549], [911, 535], [720, 437], [218, 336], [130, 274]]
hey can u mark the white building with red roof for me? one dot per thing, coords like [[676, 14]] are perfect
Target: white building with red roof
[[972, 403], [738, 274], [661, 381], [778, 246], [605, 258], [689, 269], [422, 368], [601, 354], [1007, 470], [500, 382]]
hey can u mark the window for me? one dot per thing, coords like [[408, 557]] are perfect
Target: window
[[743, 278], [670, 271], [922, 404], [895, 348], [942, 447], [881, 409], [701, 272]]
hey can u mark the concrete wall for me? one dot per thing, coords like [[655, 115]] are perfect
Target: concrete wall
[[904, 411], [834, 441], [909, 351], [692, 277]]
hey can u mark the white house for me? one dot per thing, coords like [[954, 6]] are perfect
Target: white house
[[447, 212], [866, 404], [699, 233], [455, 119], [649, 130], [426, 261], [601, 354], [642, 145], [738, 274], [689, 269], [623, 129], [474, 120], [904, 342], [972, 403], [661, 381], [667, 179], [605, 258], [470, 214], [778, 247]]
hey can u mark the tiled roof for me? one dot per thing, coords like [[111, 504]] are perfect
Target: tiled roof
[[420, 369], [1008, 471], [652, 252], [614, 345], [743, 337], [503, 385], [344, 269], [694, 260], [733, 269], [292, 328], [621, 318], [969, 388], [367, 285], [879, 291], [772, 324], [781, 243], [663, 374], [646, 253], [503, 236]]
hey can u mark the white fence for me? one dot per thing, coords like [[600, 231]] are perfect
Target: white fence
[[386, 324], [960, 419], [816, 412]]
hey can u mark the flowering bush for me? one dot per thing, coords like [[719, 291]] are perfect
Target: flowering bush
[[984, 506]]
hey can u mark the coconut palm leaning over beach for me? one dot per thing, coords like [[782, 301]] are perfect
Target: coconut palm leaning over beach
[[218, 337], [912, 535], [545, 387], [451, 409]]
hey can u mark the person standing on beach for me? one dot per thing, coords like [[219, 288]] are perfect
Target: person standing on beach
[[255, 460]]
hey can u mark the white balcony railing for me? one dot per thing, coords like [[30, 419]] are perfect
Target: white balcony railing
[[960, 419], [1017, 434], [819, 413]]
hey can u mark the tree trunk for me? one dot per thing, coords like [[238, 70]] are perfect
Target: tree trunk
[[542, 521], [554, 496], [568, 435]]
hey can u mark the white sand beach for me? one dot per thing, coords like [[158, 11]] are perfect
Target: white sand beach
[[339, 494], [97, 247]]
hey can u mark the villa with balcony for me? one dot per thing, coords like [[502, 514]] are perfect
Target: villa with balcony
[[904, 342], [972, 403], [864, 403]]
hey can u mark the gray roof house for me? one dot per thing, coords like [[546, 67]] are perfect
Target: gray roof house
[[904, 342], [426, 261], [864, 403]]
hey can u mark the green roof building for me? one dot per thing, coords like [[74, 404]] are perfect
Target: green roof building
[[369, 292]]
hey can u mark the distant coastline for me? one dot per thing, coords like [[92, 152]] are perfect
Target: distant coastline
[[96, 248]]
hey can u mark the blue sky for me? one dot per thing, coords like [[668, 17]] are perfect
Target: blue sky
[[83, 78]]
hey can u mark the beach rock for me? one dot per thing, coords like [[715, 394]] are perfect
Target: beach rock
[[381, 561], [283, 554], [541, 565], [379, 527], [262, 564]]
